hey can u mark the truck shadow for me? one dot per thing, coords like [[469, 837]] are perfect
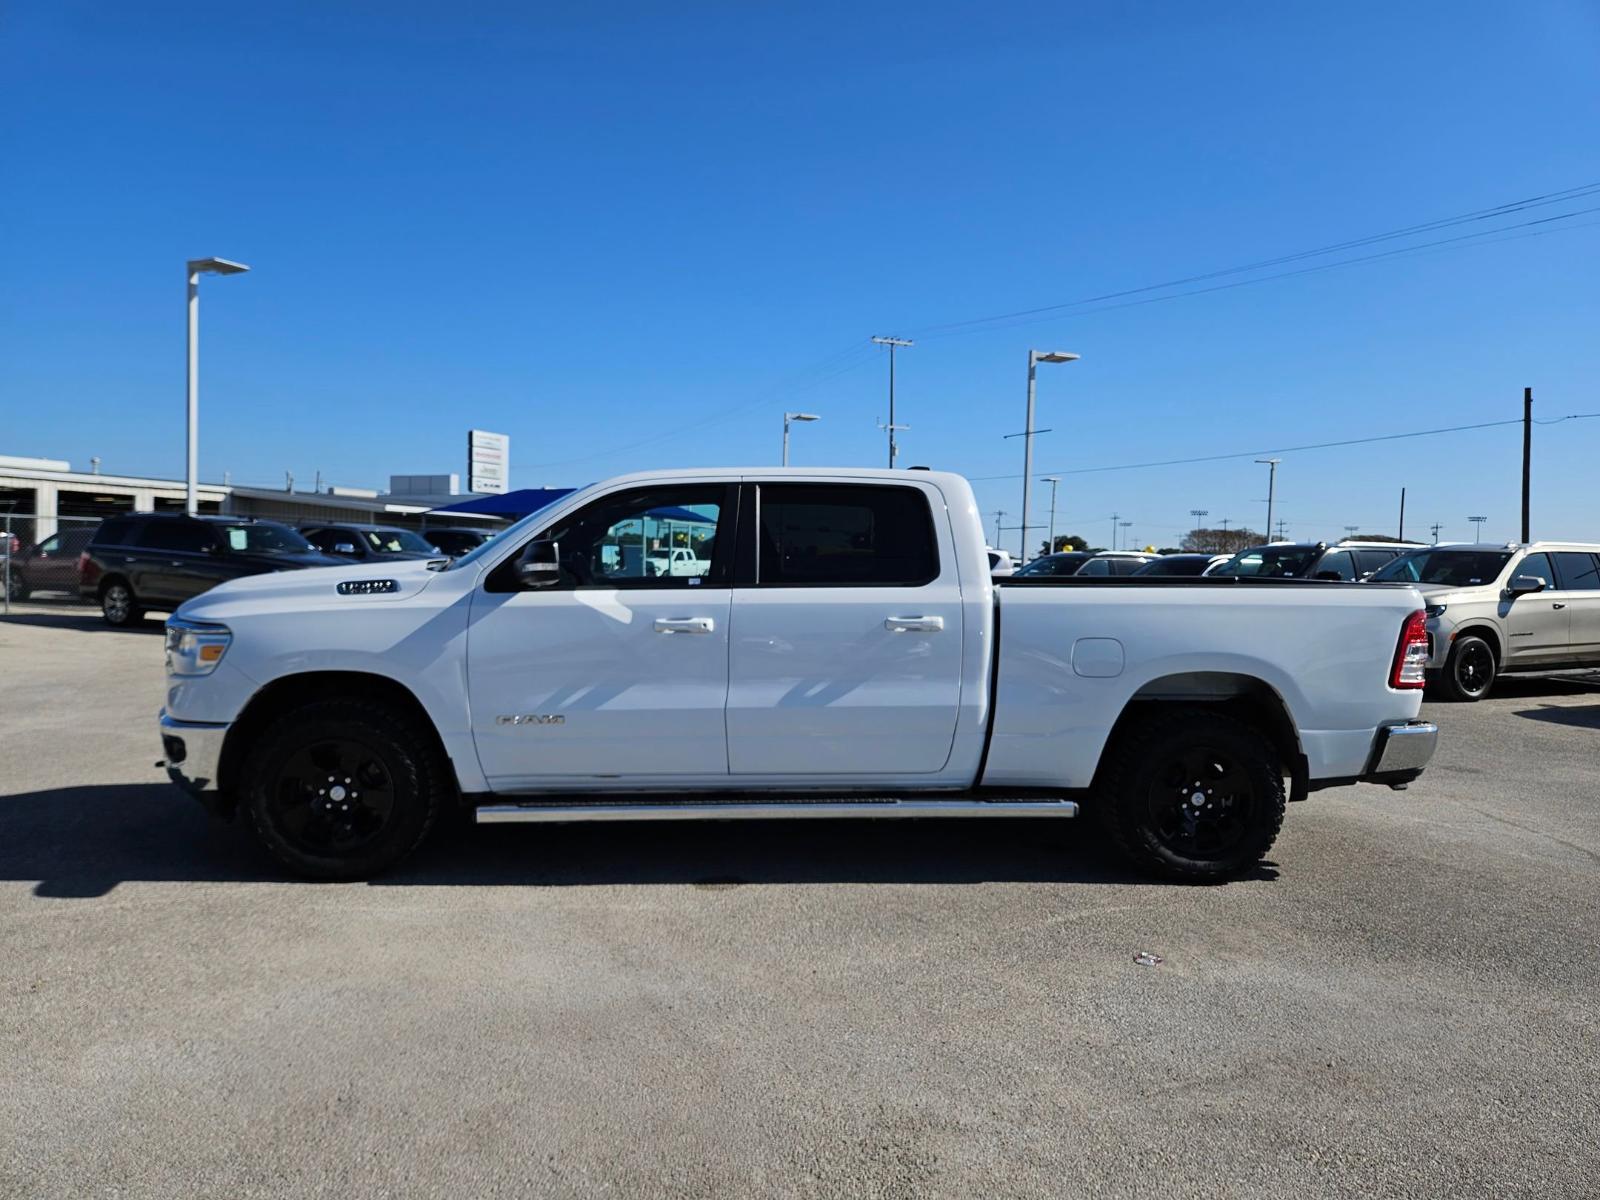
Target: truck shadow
[[82, 842]]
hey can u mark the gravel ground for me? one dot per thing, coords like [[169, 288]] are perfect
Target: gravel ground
[[1403, 1003]]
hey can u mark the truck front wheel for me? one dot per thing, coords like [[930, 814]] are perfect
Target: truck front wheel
[[1193, 794], [343, 788]]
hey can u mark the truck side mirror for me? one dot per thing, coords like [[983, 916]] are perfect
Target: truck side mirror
[[344, 548], [539, 565], [1526, 585]]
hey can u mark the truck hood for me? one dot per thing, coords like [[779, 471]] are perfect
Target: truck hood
[[314, 587]]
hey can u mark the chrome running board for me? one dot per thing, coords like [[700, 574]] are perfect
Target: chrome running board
[[771, 810]]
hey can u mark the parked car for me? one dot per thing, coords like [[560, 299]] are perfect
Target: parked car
[[676, 560], [367, 543], [1346, 560], [50, 565], [456, 542], [1000, 561], [1063, 562], [1181, 564], [847, 655], [1500, 610], [1115, 562], [159, 560]]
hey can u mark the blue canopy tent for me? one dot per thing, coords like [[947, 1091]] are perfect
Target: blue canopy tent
[[513, 506]]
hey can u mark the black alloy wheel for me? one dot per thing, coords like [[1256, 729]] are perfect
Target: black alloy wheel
[[346, 787], [333, 797], [1469, 673], [1192, 793]]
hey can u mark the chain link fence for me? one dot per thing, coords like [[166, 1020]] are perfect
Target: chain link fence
[[39, 555]]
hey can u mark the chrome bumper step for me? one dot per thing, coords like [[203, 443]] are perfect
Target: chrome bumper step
[[662, 809]]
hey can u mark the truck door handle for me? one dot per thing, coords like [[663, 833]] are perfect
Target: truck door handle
[[913, 624], [1558, 604], [685, 625]]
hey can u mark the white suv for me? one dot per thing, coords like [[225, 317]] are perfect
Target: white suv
[[1499, 609]]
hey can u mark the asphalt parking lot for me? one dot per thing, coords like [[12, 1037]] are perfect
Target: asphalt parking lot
[[1403, 1003]]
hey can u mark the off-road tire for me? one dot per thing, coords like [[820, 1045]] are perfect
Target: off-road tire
[[272, 785], [1141, 770], [119, 606], [1469, 672]]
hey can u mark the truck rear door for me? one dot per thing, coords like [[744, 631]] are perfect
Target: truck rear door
[[846, 631]]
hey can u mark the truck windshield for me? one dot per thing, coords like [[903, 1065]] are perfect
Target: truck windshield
[[263, 537], [1280, 562], [398, 541], [1453, 568]]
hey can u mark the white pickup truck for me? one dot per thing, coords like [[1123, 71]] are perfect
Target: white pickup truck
[[846, 654]]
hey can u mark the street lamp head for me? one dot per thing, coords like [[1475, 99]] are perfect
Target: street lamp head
[[801, 417], [216, 266], [1053, 356], [1269, 462], [1049, 479]]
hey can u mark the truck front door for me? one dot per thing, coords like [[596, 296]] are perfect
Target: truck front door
[[616, 674], [846, 654]]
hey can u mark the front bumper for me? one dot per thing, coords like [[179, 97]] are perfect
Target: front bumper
[[1400, 752], [193, 752]]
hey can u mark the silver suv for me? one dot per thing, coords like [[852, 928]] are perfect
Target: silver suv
[[1494, 610]]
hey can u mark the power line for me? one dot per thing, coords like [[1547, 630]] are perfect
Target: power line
[[1361, 441], [1085, 307], [1483, 214]]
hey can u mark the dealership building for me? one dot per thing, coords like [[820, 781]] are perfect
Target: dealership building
[[38, 496]]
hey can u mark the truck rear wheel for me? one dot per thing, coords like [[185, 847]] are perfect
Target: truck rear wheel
[[343, 788], [1193, 794]]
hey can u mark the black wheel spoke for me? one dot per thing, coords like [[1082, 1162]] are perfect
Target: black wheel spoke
[[1201, 802], [333, 797]]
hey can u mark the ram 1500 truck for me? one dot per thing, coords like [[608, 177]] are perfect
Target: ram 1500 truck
[[845, 654]]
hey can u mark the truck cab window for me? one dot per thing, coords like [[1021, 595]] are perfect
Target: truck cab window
[[817, 534], [654, 537]]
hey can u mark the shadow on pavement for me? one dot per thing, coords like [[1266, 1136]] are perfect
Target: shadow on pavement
[[83, 842], [86, 620], [1586, 717]]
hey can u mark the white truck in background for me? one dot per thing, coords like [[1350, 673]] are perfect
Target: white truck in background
[[845, 654]]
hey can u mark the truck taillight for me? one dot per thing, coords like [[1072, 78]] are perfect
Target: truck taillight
[[83, 566], [1411, 655]]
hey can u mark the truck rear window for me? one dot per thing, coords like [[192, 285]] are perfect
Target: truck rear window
[[820, 534]]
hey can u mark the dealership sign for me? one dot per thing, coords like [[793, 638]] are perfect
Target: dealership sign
[[488, 461]]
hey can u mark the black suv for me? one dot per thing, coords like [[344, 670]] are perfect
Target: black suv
[[1347, 559], [159, 560], [363, 543]]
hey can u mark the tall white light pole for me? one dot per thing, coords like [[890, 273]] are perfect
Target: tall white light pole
[[1052, 480], [1272, 487], [787, 417], [197, 268], [1035, 357]]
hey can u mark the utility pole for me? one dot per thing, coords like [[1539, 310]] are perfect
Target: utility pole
[[1402, 534], [1052, 480], [1351, 530], [1477, 533], [1527, 459], [1435, 527], [892, 343], [999, 515], [1283, 530], [1272, 486], [1035, 357], [1115, 517]]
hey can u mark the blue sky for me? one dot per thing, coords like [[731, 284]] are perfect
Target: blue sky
[[631, 238]]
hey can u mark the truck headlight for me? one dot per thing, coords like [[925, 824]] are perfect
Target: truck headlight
[[195, 647]]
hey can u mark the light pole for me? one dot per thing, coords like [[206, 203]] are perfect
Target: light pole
[[892, 343], [197, 268], [1126, 525], [1477, 530], [1052, 480], [1035, 357], [1199, 515], [787, 417], [1272, 487]]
